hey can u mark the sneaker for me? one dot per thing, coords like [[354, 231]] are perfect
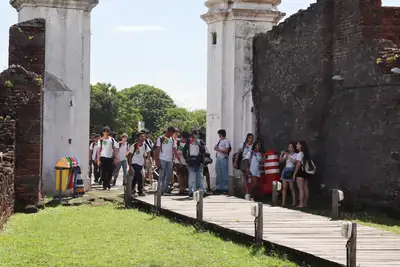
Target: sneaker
[[142, 194], [247, 197]]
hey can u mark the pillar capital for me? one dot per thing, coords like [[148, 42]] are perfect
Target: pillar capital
[[86, 5]]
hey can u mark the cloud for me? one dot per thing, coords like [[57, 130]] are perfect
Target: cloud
[[144, 28]]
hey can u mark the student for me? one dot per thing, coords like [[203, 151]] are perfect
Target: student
[[253, 160], [223, 148], [93, 157], [193, 153], [164, 155], [149, 159], [137, 157], [287, 172], [180, 164], [303, 162], [107, 156], [91, 145], [123, 149]]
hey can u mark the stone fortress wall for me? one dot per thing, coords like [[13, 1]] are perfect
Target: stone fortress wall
[[352, 125], [21, 98]]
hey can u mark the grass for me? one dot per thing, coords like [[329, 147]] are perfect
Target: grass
[[109, 236]]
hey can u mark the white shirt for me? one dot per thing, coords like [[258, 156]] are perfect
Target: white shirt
[[180, 149], [122, 151], [300, 156], [107, 150], [223, 144], [290, 164], [138, 154], [256, 158], [245, 149], [166, 150], [94, 147]]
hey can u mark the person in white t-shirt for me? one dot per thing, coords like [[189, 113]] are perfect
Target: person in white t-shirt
[[91, 163], [164, 156], [287, 172], [137, 157], [93, 158], [123, 149], [252, 166], [107, 156], [193, 153], [223, 149]]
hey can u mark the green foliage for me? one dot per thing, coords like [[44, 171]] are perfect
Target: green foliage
[[8, 84], [108, 107], [184, 120], [122, 110], [151, 102]]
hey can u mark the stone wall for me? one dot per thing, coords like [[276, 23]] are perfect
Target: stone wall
[[21, 98], [7, 150], [351, 125]]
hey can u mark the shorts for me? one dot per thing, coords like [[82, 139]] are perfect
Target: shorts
[[255, 172], [287, 174], [302, 174]]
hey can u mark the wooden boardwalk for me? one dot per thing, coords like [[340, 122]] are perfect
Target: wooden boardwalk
[[311, 234]]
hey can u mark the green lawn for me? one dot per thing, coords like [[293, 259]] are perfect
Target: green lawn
[[108, 236]]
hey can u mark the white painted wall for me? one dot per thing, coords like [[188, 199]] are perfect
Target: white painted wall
[[229, 74], [68, 58]]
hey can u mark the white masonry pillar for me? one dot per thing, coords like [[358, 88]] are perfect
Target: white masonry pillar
[[66, 109], [231, 27]]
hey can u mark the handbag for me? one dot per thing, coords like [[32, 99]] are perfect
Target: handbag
[[207, 159]]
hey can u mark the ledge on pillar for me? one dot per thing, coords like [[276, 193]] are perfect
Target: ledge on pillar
[[86, 5]]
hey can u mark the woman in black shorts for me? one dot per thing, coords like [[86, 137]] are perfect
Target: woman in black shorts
[[301, 176]]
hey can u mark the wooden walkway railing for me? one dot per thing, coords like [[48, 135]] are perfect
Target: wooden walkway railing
[[312, 235]]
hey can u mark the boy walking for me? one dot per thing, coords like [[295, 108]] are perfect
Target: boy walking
[[107, 156]]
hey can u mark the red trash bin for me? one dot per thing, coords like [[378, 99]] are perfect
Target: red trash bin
[[272, 171]]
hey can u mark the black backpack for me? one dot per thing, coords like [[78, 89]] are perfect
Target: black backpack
[[240, 157], [193, 161]]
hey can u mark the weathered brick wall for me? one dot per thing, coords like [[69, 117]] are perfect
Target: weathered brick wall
[[7, 147], [352, 125], [23, 101], [292, 76]]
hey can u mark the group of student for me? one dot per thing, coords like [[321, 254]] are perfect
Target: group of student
[[108, 156], [186, 155], [173, 152], [298, 168]]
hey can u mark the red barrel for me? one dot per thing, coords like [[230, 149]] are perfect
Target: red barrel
[[272, 171]]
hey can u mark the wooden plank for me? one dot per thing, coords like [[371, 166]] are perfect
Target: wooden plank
[[309, 233]]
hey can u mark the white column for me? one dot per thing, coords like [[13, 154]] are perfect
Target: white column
[[67, 80], [229, 74]]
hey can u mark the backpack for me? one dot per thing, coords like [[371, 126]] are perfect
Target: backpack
[[240, 155], [120, 145], [112, 145], [307, 168], [162, 139], [147, 143], [193, 161], [229, 148]]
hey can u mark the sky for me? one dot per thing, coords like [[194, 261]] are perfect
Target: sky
[[160, 43]]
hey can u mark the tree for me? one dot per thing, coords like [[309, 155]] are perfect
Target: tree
[[151, 102], [103, 106], [184, 119], [111, 108]]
